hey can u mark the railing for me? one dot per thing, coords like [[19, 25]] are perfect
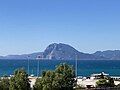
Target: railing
[[107, 88]]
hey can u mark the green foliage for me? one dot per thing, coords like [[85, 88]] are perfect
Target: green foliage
[[4, 83], [102, 83], [60, 79], [19, 81], [45, 83], [38, 84], [105, 83], [64, 77]]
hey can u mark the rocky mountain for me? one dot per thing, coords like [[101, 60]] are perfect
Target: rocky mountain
[[109, 54], [66, 52]]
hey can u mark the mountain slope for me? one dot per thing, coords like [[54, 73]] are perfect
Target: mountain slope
[[66, 52], [109, 54]]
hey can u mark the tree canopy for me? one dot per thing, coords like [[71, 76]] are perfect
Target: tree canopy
[[62, 78], [19, 81], [4, 83]]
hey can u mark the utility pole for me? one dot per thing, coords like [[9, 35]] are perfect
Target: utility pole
[[76, 65], [38, 66], [28, 65]]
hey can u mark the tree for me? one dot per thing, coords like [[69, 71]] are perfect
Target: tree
[[45, 83], [60, 79], [64, 77], [4, 83], [19, 81], [38, 84]]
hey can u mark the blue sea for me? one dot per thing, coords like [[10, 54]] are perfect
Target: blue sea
[[85, 67]]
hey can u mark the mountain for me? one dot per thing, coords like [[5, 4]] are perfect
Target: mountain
[[1, 57], [66, 52], [23, 56], [109, 54]]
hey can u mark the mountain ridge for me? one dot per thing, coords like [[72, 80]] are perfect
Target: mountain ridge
[[66, 52]]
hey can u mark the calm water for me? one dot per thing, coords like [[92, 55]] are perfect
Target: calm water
[[85, 67]]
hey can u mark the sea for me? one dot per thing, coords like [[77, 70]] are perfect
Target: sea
[[84, 67]]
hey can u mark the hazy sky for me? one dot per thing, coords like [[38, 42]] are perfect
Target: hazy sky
[[31, 25]]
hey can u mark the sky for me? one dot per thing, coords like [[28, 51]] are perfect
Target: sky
[[28, 26]]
